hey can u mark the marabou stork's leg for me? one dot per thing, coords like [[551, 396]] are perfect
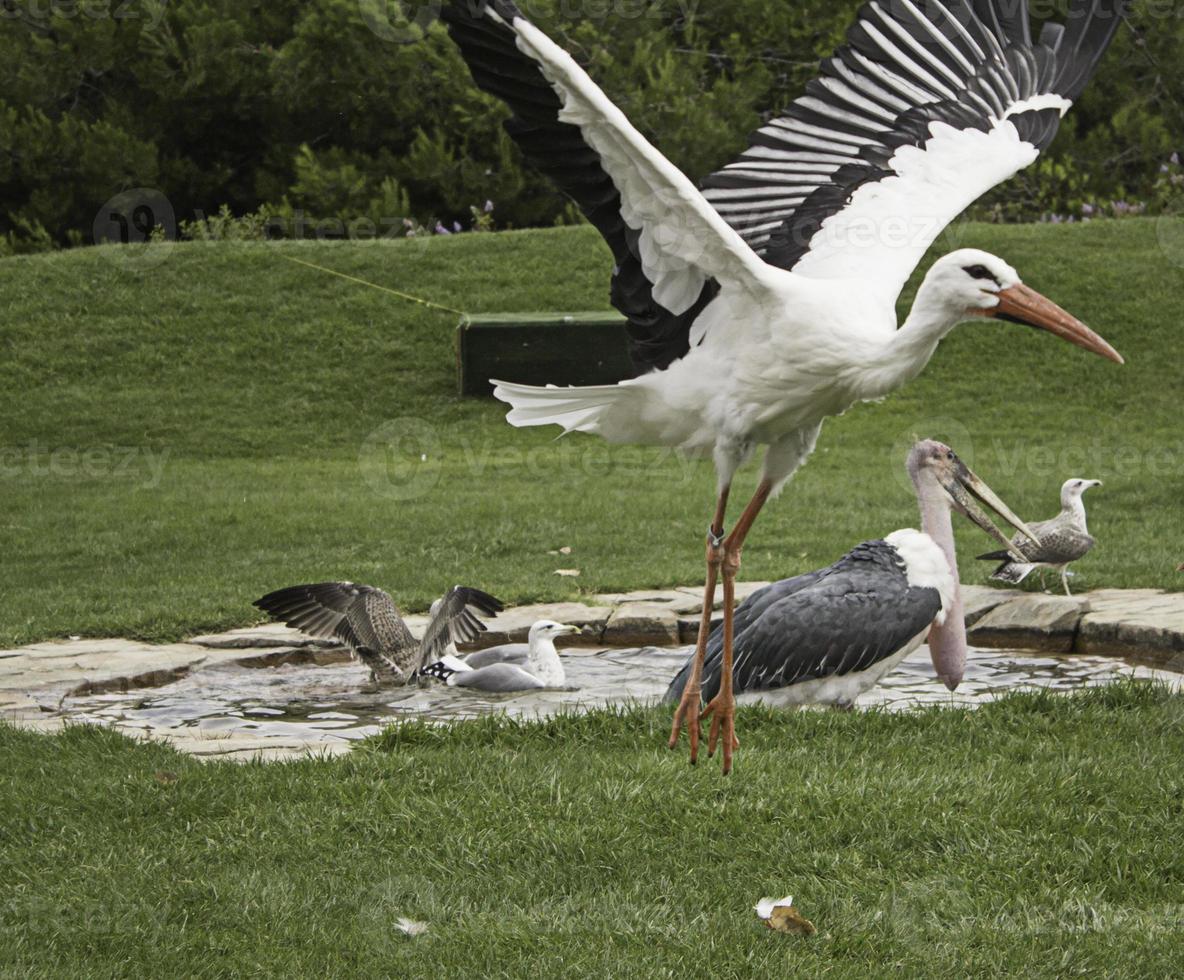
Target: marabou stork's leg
[[722, 708], [688, 705]]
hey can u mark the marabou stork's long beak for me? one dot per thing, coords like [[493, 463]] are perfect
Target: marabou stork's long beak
[[966, 489], [1022, 304]]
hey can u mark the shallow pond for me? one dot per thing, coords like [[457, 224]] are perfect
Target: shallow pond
[[334, 702]]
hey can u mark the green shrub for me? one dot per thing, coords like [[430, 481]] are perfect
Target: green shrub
[[343, 112]]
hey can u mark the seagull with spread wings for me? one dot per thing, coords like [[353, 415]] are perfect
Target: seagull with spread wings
[[366, 620], [765, 302]]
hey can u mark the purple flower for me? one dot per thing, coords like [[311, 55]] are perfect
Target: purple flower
[[1174, 159], [441, 230], [488, 207], [456, 226], [1087, 209]]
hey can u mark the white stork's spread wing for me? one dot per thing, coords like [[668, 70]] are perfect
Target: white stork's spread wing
[[670, 246], [928, 105]]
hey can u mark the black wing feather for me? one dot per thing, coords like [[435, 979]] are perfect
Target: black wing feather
[[656, 336], [905, 65]]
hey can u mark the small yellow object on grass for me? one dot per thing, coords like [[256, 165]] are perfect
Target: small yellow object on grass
[[779, 915]]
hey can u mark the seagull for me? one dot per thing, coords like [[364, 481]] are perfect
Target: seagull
[[542, 667], [829, 635], [365, 619], [765, 303], [1063, 539]]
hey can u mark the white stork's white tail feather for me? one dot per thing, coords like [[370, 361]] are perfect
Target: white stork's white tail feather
[[582, 409]]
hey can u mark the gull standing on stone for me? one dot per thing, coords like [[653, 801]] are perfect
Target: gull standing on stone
[[1063, 539]]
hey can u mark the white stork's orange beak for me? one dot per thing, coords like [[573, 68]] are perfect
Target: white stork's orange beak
[[1021, 304]]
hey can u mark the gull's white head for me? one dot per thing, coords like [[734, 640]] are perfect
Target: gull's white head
[[548, 629], [1073, 488], [972, 283]]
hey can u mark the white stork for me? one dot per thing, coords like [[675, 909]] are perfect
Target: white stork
[[765, 303]]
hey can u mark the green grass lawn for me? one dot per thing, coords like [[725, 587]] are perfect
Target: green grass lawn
[[1036, 837], [179, 438]]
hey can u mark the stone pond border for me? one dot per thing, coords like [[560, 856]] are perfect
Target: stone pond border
[[1146, 625]]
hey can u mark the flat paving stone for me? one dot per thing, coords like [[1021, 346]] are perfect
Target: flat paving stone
[[1143, 623], [642, 624], [513, 625], [978, 600], [743, 591], [1035, 622]]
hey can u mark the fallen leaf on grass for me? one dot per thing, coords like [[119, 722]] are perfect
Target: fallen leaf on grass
[[568, 572], [164, 777], [779, 915], [409, 927]]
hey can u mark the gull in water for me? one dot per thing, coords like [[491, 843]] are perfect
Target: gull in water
[[542, 667], [1063, 539], [365, 619]]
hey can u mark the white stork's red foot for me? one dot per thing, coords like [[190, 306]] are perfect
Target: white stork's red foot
[[723, 724]]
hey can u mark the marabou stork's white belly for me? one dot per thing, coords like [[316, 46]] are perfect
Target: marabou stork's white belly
[[837, 689]]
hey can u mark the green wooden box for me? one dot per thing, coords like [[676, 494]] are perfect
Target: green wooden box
[[540, 349]]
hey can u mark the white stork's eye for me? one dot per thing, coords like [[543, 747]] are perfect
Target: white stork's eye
[[980, 272]]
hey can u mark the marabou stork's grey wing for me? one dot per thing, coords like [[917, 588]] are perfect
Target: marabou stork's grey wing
[[929, 104], [669, 246], [456, 621], [360, 616], [746, 613], [861, 612]]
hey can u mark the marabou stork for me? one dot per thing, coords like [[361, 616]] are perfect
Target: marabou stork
[[765, 303], [827, 636]]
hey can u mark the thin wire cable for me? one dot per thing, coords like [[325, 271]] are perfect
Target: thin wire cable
[[374, 285]]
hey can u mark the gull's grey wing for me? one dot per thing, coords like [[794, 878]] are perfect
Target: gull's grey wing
[[844, 618], [506, 653], [455, 620], [497, 679], [357, 615], [362, 617], [1061, 541]]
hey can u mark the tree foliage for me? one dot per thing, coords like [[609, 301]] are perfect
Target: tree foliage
[[347, 109]]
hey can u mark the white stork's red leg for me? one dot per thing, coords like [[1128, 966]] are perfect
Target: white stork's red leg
[[722, 708], [688, 705]]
